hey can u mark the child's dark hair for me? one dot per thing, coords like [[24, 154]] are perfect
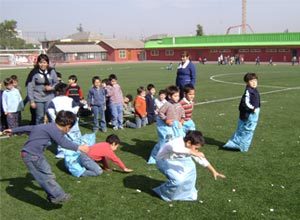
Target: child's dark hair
[[129, 96], [60, 88], [112, 76], [95, 78], [187, 88], [195, 137], [113, 139], [162, 91], [73, 77], [14, 77], [140, 90], [8, 81], [250, 76], [106, 81], [171, 90], [150, 86], [64, 118]]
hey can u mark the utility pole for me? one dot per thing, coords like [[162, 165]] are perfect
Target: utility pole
[[244, 10]]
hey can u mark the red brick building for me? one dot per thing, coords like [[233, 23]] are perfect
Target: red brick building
[[123, 50]]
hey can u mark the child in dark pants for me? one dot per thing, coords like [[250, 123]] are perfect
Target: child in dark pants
[[150, 104], [32, 152]]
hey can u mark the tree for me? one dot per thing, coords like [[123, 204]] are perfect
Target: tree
[[8, 36], [199, 31]]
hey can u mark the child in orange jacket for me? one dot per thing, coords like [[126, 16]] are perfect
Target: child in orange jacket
[[140, 110]]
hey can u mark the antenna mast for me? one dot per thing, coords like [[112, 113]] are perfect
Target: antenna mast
[[244, 23]]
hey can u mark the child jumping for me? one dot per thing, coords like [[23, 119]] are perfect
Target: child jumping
[[32, 152], [249, 113], [169, 121], [174, 160]]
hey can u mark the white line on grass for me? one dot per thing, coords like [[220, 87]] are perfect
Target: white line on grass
[[238, 97], [280, 89], [241, 84]]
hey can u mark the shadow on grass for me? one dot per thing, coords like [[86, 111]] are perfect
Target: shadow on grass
[[212, 141], [141, 148], [18, 188], [143, 183], [61, 165]]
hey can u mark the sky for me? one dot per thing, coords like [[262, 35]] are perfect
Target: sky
[[134, 19]]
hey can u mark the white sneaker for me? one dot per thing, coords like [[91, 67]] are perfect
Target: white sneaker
[[60, 155], [115, 128]]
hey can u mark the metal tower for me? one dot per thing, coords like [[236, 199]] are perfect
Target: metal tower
[[244, 10]]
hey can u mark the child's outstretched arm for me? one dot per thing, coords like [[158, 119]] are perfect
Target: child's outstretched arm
[[215, 173]]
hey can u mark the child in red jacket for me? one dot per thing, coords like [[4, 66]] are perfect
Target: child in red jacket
[[104, 151]]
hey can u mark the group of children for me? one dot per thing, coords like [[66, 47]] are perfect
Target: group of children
[[178, 140]]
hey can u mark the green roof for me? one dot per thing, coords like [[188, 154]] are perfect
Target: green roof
[[269, 39]]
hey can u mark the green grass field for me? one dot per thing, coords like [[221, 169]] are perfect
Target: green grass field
[[260, 184]]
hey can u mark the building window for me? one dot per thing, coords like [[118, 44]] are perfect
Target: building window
[[225, 51], [214, 51], [169, 53], [255, 50], [122, 54], [271, 50], [154, 53], [243, 50], [91, 56], [283, 50]]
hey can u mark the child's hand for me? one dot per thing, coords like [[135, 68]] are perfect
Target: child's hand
[[216, 175], [7, 131], [84, 148], [169, 122], [126, 170]]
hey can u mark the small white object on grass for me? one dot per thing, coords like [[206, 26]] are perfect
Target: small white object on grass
[[200, 201], [229, 200], [138, 190], [234, 211], [282, 186], [271, 210], [233, 190], [78, 181], [148, 210], [171, 205]]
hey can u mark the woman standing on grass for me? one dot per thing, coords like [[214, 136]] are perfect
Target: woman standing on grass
[[186, 73], [40, 87]]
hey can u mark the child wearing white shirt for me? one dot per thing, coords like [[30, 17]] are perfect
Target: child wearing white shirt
[[174, 160]]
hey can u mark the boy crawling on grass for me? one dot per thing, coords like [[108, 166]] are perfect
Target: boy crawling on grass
[[104, 151]]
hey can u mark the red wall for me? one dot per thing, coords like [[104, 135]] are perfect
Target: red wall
[[250, 56], [113, 54]]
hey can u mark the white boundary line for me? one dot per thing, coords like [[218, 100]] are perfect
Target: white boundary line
[[280, 89], [241, 84]]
